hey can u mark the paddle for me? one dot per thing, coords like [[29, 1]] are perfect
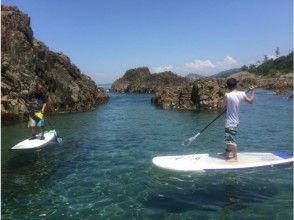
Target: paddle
[[58, 138], [191, 139]]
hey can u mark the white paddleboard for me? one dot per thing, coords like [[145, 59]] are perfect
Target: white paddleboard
[[36, 143], [206, 162]]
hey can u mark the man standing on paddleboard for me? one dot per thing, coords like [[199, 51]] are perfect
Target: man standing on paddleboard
[[36, 101], [233, 98]]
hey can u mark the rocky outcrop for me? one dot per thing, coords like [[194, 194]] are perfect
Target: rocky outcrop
[[279, 85], [140, 80], [204, 93], [26, 60], [208, 93], [176, 92]]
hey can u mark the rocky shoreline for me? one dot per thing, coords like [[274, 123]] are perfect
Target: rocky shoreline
[[26, 60], [175, 92]]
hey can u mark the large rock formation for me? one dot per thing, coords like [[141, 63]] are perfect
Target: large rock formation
[[208, 93], [176, 92], [140, 80], [279, 84], [25, 60], [204, 93]]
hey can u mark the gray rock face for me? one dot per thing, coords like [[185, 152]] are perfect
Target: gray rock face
[[25, 60]]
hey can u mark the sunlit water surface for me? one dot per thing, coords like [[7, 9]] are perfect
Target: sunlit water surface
[[103, 169]]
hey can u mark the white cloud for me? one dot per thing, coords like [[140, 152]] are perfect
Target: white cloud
[[204, 67], [199, 65], [162, 69], [271, 56], [227, 62]]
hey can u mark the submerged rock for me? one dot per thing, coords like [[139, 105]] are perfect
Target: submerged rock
[[26, 60]]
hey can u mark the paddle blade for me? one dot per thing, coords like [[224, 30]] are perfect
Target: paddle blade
[[190, 140], [59, 139]]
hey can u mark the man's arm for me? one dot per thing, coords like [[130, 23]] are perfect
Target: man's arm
[[45, 99], [251, 97], [43, 108]]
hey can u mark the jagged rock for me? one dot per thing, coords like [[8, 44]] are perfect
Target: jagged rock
[[174, 98], [26, 60], [176, 92], [208, 93], [204, 93], [140, 80], [279, 85]]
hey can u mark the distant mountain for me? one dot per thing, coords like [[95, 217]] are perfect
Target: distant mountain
[[226, 73], [193, 76]]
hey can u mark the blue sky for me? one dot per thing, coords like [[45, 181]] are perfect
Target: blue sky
[[104, 38]]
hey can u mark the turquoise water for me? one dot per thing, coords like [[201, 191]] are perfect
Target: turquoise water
[[103, 169]]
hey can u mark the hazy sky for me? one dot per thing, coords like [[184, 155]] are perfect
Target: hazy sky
[[104, 38]]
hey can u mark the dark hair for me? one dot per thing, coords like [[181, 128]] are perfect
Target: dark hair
[[231, 83]]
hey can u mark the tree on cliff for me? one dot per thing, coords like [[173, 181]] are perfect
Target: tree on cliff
[[270, 67], [277, 52], [244, 68], [265, 58]]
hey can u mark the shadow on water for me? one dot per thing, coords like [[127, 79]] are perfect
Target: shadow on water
[[25, 173], [27, 160], [223, 194]]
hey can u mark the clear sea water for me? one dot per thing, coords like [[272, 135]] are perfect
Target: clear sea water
[[103, 169]]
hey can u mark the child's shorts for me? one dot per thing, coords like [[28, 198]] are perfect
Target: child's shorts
[[38, 121], [230, 134]]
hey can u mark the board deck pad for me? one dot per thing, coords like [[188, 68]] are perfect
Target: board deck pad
[[36, 143], [206, 162]]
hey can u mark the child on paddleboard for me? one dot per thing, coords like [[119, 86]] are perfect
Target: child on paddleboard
[[36, 102], [233, 98]]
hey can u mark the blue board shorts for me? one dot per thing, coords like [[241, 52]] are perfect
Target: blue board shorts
[[230, 135], [39, 122]]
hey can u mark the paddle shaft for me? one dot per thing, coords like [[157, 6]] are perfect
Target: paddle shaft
[[203, 129]]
